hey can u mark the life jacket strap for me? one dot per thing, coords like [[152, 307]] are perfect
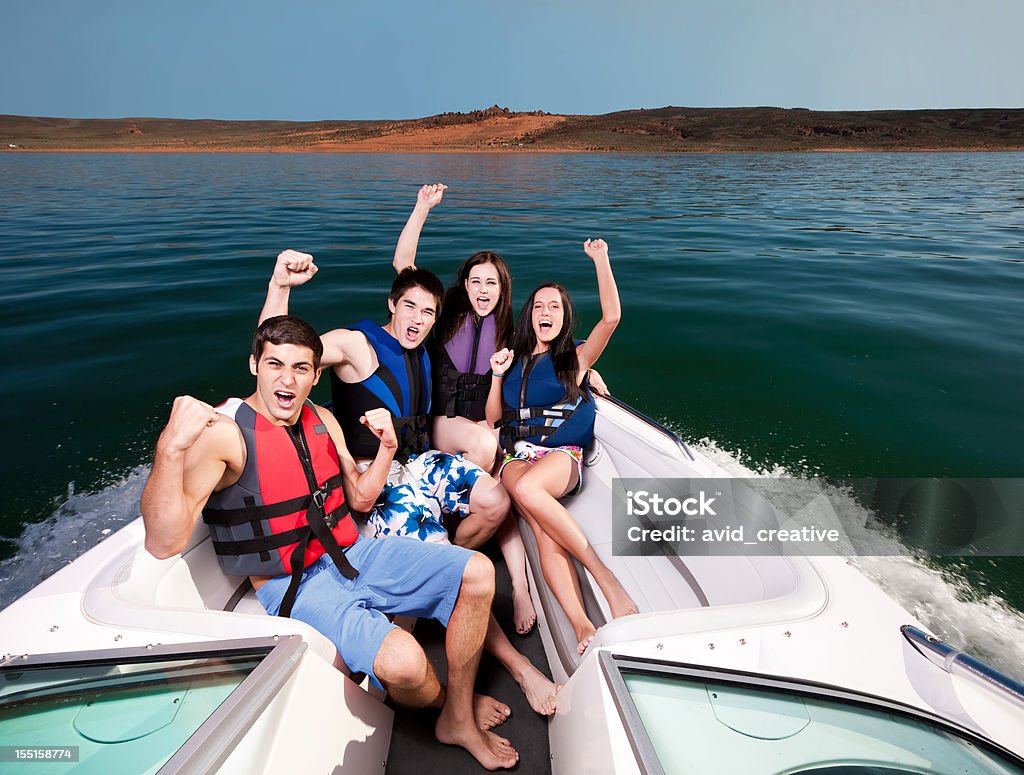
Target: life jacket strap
[[230, 517], [473, 387], [318, 528], [515, 416], [413, 436]]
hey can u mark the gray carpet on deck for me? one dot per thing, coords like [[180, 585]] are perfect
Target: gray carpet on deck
[[415, 751]]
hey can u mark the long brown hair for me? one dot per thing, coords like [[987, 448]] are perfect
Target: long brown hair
[[457, 305], [562, 349]]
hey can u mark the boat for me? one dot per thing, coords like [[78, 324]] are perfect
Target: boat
[[759, 663]]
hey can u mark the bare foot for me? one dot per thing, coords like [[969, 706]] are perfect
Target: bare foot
[[493, 752], [540, 692], [523, 614], [619, 601], [489, 712], [584, 636]]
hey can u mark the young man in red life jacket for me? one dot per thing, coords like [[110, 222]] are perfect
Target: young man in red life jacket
[[429, 494], [273, 477]]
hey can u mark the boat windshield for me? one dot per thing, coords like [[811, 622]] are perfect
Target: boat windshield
[[127, 710], [688, 723]]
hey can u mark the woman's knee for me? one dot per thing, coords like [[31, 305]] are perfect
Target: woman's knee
[[481, 448], [530, 494]]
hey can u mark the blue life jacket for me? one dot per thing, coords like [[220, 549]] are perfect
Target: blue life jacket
[[538, 410], [400, 384]]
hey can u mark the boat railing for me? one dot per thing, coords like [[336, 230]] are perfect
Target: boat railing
[[959, 663], [653, 423]]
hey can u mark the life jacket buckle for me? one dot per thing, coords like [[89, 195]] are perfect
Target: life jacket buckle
[[320, 498]]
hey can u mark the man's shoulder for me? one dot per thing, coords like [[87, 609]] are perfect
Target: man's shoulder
[[346, 339], [222, 442], [331, 423], [229, 407], [325, 414]]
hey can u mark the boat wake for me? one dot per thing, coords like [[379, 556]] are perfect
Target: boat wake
[[83, 520], [984, 625]]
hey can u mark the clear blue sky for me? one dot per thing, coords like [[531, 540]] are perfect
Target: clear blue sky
[[351, 59]]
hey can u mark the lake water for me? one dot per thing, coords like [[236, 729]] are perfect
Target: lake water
[[815, 314]]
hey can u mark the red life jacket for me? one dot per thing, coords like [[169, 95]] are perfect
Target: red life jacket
[[287, 508]]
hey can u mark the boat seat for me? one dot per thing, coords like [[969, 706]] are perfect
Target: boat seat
[[158, 591], [216, 591], [657, 583]]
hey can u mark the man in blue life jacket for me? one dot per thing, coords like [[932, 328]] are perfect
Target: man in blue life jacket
[[274, 479], [429, 495]]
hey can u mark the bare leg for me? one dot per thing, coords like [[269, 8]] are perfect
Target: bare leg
[[474, 440], [557, 567], [405, 672], [523, 614], [537, 491], [463, 645], [540, 692], [560, 575]]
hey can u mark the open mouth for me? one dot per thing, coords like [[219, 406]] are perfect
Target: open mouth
[[544, 325], [412, 333], [482, 302], [285, 398]]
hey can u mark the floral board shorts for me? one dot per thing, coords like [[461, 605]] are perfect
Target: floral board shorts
[[423, 497], [531, 453]]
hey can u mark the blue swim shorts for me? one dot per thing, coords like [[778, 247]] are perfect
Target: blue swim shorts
[[403, 577], [422, 495]]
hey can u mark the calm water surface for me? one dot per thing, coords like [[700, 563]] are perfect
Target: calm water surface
[[835, 314]]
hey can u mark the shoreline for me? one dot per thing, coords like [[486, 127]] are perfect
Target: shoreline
[[498, 130], [503, 151]]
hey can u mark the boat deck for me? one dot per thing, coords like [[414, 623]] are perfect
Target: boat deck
[[415, 751]]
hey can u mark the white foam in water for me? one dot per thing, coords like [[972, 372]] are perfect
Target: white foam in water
[[986, 627], [81, 522]]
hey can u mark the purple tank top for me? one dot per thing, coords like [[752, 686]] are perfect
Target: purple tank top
[[460, 346]]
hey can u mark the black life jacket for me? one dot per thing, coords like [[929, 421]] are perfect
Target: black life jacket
[[287, 508], [400, 384], [464, 393]]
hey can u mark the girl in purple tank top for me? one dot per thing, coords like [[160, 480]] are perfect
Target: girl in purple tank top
[[475, 322]]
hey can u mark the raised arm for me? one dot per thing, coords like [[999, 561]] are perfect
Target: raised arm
[[591, 350], [409, 239], [292, 268], [363, 487], [193, 455]]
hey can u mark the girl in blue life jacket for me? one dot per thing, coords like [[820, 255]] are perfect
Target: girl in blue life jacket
[[540, 399]]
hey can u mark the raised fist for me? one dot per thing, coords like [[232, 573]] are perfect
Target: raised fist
[[596, 249], [431, 195], [293, 268], [501, 361], [190, 417], [380, 425]]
